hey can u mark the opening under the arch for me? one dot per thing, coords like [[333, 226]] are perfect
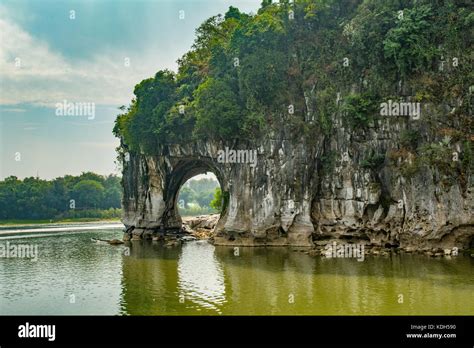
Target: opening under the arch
[[200, 195], [200, 203]]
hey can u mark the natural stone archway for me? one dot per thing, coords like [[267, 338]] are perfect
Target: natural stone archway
[[184, 170], [261, 208], [151, 190]]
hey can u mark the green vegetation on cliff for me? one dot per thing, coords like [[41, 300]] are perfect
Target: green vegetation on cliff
[[318, 58]]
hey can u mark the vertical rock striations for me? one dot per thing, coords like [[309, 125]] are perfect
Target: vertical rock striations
[[298, 193]]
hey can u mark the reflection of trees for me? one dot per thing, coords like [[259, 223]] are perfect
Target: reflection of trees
[[150, 279], [260, 281], [263, 281], [159, 280]]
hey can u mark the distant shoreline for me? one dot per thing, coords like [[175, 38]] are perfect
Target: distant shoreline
[[27, 222], [12, 230]]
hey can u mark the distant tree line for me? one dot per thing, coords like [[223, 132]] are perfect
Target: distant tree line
[[88, 195], [196, 197]]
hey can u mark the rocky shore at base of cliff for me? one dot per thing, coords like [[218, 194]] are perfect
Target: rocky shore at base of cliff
[[201, 227], [193, 228], [323, 248]]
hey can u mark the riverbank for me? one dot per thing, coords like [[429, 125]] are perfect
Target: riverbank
[[28, 222], [36, 229]]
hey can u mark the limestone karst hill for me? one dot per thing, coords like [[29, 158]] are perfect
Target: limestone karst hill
[[360, 113]]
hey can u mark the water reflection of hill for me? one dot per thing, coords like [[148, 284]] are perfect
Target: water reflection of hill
[[202, 279]]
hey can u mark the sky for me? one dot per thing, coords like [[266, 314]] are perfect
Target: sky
[[90, 51]]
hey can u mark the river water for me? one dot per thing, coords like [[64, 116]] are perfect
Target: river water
[[73, 275]]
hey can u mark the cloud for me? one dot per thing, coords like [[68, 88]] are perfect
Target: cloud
[[33, 73]]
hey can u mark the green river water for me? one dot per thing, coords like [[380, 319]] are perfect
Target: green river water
[[73, 275]]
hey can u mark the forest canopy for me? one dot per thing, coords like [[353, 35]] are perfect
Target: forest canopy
[[88, 195]]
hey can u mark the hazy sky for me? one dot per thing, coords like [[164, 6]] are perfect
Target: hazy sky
[[88, 51]]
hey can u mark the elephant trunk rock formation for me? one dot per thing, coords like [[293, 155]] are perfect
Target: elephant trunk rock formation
[[347, 121]]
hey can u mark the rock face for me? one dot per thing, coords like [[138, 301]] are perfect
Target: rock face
[[299, 192]]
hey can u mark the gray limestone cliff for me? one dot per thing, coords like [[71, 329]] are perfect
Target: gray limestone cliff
[[346, 185]]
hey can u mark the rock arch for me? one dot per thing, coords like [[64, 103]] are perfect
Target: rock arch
[[182, 171], [256, 212]]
